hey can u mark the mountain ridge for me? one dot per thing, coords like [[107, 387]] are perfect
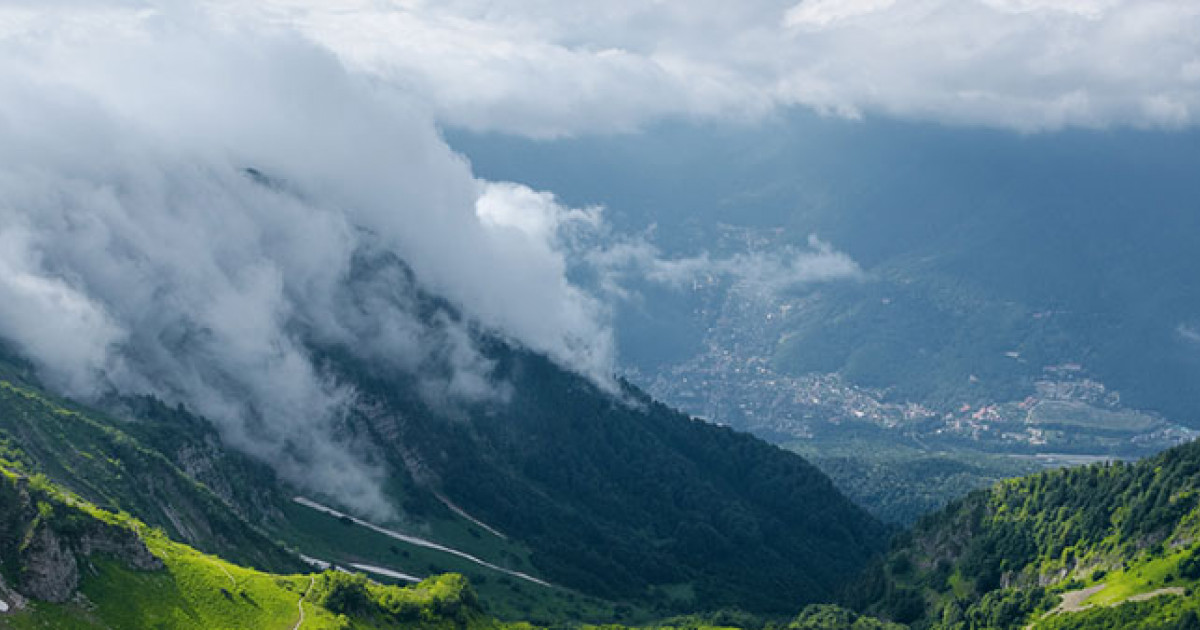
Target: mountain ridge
[[617, 497]]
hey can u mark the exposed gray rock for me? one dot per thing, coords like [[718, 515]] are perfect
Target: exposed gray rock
[[50, 541], [123, 545], [48, 568]]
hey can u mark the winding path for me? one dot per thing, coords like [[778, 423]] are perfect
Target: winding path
[[300, 604], [463, 513], [228, 575], [1169, 590], [1072, 601]]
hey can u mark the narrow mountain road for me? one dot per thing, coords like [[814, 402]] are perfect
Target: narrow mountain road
[[300, 604], [463, 513], [420, 542], [392, 573]]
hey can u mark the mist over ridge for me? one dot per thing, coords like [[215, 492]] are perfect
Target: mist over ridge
[[182, 211], [187, 208]]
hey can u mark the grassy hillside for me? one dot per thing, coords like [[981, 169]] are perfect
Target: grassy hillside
[[102, 459], [197, 591], [170, 469], [124, 574], [116, 572], [1031, 553]]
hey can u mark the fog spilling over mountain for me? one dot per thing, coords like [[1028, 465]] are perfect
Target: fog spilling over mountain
[[181, 208], [188, 206]]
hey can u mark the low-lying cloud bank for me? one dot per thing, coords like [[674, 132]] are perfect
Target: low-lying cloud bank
[[762, 273], [561, 68]]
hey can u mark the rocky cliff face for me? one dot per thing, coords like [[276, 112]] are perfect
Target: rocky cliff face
[[45, 542]]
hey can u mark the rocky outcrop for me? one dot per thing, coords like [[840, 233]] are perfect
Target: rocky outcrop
[[48, 569], [44, 542], [122, 544]]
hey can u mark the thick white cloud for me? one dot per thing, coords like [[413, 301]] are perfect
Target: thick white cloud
[[190, 199], [77, 350], [551, 68], [139, 254], [823, 13]]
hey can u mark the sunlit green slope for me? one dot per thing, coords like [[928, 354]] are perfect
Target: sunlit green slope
[[1103, 546], [68, 564]]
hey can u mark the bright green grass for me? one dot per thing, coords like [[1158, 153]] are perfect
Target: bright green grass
[[200, 592], [1112, 606], [1143, 577], [194, 591]]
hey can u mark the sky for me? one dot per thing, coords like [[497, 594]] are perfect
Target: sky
[[546, 69], [139, 255]]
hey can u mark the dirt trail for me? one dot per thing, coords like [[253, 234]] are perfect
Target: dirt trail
[[228, 575], [1170, 590], [392, 573], [300, 604], [1072, 601]]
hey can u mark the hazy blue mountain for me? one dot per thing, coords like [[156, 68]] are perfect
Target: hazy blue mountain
[[1021, 294], [1096, 227]]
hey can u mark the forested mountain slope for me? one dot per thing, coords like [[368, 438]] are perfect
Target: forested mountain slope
[[607, 493], [1001, 558], [615, 494]]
